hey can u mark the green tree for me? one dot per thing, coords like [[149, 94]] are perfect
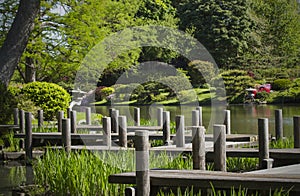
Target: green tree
[[275, 38], [86, 24], [17, 37], [221, 26]]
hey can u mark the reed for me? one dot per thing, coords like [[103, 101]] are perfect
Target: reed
[[86, 173], [241, 164], [282, 143]]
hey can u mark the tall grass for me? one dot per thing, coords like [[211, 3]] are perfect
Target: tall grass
[[241, 164], [86, 173], [77, 173], [282, 143]]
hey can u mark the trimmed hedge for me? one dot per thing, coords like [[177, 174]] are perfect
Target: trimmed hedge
[[48, 96], [281, 84]]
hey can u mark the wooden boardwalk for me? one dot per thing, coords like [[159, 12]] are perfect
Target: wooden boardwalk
[[219, 180], [154, 135]]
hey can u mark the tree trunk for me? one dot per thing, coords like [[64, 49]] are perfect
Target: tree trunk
[[17, 38], [29, 70]]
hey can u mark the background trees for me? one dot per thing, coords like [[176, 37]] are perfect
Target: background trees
[[221, 26], [258, 35], [275, 36]]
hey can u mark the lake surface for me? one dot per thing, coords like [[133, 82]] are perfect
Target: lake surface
[[243, 117], [12, 175]]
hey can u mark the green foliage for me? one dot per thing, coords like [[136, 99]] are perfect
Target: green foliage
[[262, 96], [26, 104], [107, 91], [275, 36], [240, 164], [282, 143], [187, 96], [222, 28], [146, 92], [281, 84], [48, 96], [201, 72], [235, 81], [13, 143], [8, 102]]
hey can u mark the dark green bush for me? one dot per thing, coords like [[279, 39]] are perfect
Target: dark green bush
[[281, 84], [236, 82], [262, 96], [8, 102], [175, 83], [48, 96]]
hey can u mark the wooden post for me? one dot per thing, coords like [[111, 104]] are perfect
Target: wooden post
[[278, 124], [111, 111], [16, 116], [66, 134], [180, 139], [129, 191], [69, 112], [88, 116], [22, 127], [106, 122], [60, 116], [263, 144], [142, 163], [199, 108], [136, 116], [73, 119], [22, 121], [198, 145], [40, 118], [122, 131], [195, 118], [219, 147], [227, 122], [166, 128], [160, 120], [114, 121], [28, 136], [296, 121]]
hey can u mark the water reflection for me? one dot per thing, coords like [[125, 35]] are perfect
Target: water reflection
[[12, 175], [243, 117]]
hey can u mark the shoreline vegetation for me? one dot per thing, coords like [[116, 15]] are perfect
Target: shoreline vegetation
[[207, 95]]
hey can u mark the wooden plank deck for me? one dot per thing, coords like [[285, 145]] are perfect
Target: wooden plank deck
[[153, 135], [219, 180]]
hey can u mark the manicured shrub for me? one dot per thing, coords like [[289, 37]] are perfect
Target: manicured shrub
[[236, 82], [7, 103], [106, 91], [48, 96], [201, 72], [281, 84]]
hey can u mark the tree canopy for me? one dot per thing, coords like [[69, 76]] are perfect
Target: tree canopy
[[241, 34]]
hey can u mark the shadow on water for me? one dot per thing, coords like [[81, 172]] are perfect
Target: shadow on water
[[12, 175]]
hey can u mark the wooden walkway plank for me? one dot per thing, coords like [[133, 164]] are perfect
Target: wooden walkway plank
[[204, 179]]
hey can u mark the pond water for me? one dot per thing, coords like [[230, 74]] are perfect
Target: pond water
[[243, 117], [12, 175]]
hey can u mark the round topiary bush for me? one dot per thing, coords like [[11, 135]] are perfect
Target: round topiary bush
[[48, 96], [281, 84]]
